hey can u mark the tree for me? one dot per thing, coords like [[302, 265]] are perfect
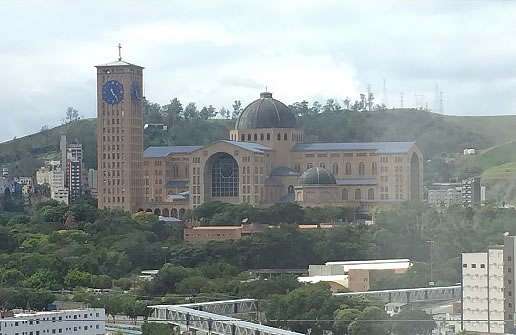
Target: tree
[[173, 111], [153, 328], [152, 112], [191, 111], [332, 106], [208, 112], [225, 113], [369, 322], [413, 322], [76, 278], [237, 109], [72, 114]]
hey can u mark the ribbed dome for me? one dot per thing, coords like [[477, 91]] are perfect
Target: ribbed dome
[[266, 112], [317, 176]]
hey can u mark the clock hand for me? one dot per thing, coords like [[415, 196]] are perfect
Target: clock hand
[[112, 92]]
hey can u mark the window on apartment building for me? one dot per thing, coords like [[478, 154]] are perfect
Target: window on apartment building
[[473, 266], [509, 258], [482, 266], [464, 265], [509, 270]]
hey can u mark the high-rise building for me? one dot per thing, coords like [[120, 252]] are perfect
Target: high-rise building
[[74, 179], [58, 191], [509, 253], [119, 135], [471, 191]]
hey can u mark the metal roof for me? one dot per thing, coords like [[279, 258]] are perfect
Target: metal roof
[[266, 112], [254, 147], [177, 183], [380, 147], [166, 150], [317, 176], [357, 181], [271, 182], [283, 171], [119, 63]]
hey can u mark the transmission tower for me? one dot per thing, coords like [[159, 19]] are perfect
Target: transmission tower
[[435, 107], [420, 100], [401, 100], [441, 105], [385, 100]]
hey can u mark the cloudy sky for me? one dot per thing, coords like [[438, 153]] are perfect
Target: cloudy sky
[[214, 52]]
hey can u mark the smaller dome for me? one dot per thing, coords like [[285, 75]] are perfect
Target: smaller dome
[[317, 176]]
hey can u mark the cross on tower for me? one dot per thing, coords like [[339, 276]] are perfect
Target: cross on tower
[[119, 51]]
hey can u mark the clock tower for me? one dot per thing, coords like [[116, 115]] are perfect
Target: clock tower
[[119, 135]]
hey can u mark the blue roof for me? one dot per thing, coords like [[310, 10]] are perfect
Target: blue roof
[[177, 183], [380, 147], [166, 150], [283, 171], [177, 197], [254, 147], [271, 182], [357, 181]]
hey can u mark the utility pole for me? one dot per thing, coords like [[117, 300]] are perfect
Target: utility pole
[[385, 98], [431, 283], [401, 99]]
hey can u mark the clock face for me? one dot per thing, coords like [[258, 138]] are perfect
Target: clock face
[[112, 92], [135, 92]]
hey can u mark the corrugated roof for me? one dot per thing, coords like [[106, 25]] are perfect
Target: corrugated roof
[[254, 147], [380, 147], [283, 171], [166, 150], [357, 181]]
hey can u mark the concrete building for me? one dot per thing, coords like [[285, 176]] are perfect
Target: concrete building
[[263, 161], [26, 184], [66, 322], [471, 191], [74, 152], [483, 291], [58, 191], [443, 195], [221, 233], [356, 276], [509, 254], [74, 179]]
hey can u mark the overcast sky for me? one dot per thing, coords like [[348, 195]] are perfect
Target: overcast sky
[[214, 52]]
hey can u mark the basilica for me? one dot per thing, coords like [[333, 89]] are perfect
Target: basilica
[[263, 161]]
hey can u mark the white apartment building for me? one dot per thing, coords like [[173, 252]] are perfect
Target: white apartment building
[[443, 195], [483, 291], [66, 322], [57, 186]]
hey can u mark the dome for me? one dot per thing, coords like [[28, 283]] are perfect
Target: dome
[[317, 176], [266, 112]]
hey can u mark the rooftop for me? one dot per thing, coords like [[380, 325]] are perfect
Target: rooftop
[[119, 63], [254, 147], [379, 147], [164, 151]]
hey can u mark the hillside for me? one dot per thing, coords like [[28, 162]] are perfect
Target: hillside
[[435, 134]]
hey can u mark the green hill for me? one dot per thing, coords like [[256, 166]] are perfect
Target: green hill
[[435, 134]]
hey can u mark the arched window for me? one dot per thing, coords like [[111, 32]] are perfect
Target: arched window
[[370, 194], [256, 137], [248, 137], [290, 189], [335, 169], [243, 138], [374, 168], [279, 137], [173, 213], [157, 212], [285, 136], [308, 166], [358, 194], [348, 168], [344, 194], [175, 171], [166, 212], [297, 168], [361, 168], [224, 176], [268, 136], [181, 212], [322, 165], [261, 137]]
